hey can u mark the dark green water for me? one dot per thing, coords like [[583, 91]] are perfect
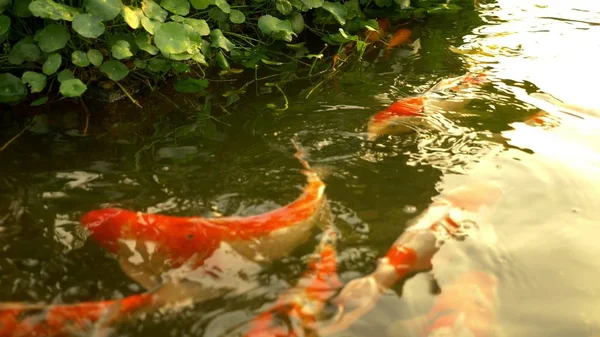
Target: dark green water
[[546, 226]]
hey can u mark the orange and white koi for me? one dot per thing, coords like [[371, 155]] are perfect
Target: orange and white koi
[[465, 307], [413, 250], [407, 114], [297, 310], [401, 36], [38, 320], [162, 243]]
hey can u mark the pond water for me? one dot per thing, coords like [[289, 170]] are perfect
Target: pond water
[[546, 231]]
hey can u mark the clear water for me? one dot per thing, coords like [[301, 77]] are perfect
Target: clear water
[[546, 225]]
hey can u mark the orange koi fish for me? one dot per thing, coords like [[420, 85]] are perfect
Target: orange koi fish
[[401, 36], [413, 250], [297, 309], [372, 36], [466, 307], [407, 114], [29, 320], [160, 243]]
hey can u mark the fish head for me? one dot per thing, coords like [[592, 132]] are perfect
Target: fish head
[[106, 226]]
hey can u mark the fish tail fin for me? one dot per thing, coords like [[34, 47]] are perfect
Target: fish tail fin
[[314, 173]]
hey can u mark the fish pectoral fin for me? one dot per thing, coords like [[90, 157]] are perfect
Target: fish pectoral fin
[[140, 274]]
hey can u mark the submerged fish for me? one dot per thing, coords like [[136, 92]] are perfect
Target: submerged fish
[[148, 245], [408, 114], [465, 307], [401, 36], [297, 309], [372, 36], [413, 250]]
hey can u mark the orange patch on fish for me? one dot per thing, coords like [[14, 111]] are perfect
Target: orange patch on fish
[[401, 36], [391, 120]]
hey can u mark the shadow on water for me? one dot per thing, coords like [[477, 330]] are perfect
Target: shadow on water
[[546, 228]]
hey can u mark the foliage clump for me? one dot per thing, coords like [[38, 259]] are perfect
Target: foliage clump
[[65, 46]]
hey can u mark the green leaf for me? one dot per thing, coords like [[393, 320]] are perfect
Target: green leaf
[[180, 67], [198, 57], [144, 42], [177, 18], [132, 16], [158, 65], [149, 25], [283, 6], [52, 38], [383, 3], [236, 16], [21, 8], [338, 11], [104, 9], [52, 64], [312, 3], [115, 70], [48, 9], [196, 28], [95, 57], [200, 4], [217, 40], [39, 101], [217, 15], [88, 25], [223, 5], [444, 9], [179, 7], [121, 50], [178, 57], [142, 64], [190, 85], [24, 50], [297, 22], [65, 74], [36, 81], [4, 24], [154, 11], [278, 29], [222, 60], [12, 88], [172, 38], [80, 59], [72, 88]]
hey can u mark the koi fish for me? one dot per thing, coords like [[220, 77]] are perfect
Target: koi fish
[[413, 250], [149, 245], [407, 114], [401, 36], [374, 36], [297, 309], [466, 307], [29, 320]]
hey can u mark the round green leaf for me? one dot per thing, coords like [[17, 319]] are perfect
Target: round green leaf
[[338, 11], [196, 28], [52, 64], [149, 25], [297, 22], [4, 24], [158, 64], [52, 38], [114, 69], [142, 64], [132, 16], [312, 3], [21, 8], [49, 9], [72, 88], [95, 57], [200, 4], [121, 50], [154, 11], [80, 59], [178, 57], [179, 7], [88, 25], [39, 101], [12, 88], [172, 38], [278, 29], [236, 16], [190, 85], [24, 50], [283, 6], [223, 5], [64, 75], [36, 81], [104, 9], [217, 40], [144, 42]]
